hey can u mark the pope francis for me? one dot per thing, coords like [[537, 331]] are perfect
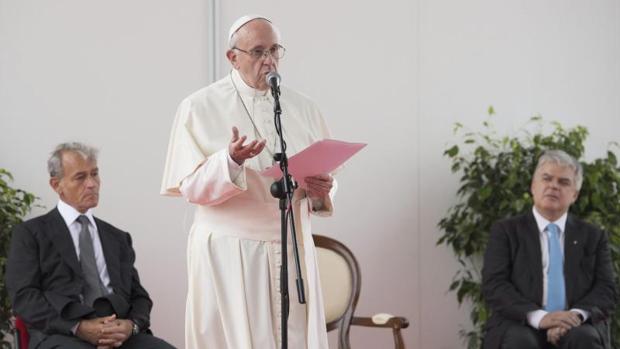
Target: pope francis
[[222, 136]]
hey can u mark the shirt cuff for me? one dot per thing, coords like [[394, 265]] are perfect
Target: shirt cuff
[[74, 328], [534, 318], [234, 169]]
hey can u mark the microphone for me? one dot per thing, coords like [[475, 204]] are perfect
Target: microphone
[[273, 80]]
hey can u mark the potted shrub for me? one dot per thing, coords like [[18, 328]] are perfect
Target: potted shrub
[[14, 205]]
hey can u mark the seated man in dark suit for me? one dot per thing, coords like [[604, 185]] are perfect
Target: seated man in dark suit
[[71, 276], [547, 277]]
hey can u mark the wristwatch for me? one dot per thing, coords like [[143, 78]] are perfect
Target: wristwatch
[[135, 329]]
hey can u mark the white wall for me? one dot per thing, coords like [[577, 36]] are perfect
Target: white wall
[[395, 74]]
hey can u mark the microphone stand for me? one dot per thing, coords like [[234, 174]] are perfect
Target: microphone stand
[[283, 189]]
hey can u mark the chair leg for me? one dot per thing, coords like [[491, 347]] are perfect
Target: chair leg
[[343, 340], [398, 339]]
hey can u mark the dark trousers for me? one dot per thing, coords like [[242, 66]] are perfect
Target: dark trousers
[[525, 337]]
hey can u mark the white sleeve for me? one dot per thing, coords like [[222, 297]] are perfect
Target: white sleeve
[[218, 179], [534, 318]]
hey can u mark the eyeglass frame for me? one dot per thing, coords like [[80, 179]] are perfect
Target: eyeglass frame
[[254, 53]]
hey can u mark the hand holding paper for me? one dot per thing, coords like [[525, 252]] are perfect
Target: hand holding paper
[[318, 186]]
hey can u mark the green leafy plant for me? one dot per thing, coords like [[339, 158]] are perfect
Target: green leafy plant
[[14, 205], [496, 172]]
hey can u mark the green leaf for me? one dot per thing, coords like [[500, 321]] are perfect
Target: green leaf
[[452, 152]]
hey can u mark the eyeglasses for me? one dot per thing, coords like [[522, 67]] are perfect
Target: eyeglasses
[[276, 52]]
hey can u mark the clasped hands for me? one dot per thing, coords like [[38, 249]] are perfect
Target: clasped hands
[[558, 323], [316, 186], [105, 332]]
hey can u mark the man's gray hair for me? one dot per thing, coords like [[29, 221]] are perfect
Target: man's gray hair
[[54, 163], [560, 157]]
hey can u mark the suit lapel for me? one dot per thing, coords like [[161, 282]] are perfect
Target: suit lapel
[[573, 252], [532, 241], [61, 238], [110, 247]]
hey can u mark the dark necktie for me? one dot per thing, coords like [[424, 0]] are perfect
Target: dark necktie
[[556, 291], [93, 287]]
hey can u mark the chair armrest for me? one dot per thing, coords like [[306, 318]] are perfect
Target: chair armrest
[[381, 320], [385, 321]]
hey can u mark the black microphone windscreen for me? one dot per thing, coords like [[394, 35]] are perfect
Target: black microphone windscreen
[[273, 78]]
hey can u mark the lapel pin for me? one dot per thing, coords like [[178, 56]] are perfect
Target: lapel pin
[[575, 242]]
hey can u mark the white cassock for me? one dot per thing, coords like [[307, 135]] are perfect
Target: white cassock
[[233, 251]]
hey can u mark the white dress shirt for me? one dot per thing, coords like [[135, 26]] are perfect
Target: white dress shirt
[[70, 215], [534, 317]]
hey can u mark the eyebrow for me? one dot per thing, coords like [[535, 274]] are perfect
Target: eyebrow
[[545, 174], [261, 47]]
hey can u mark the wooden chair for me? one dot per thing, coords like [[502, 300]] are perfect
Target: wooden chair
[[341, 282]]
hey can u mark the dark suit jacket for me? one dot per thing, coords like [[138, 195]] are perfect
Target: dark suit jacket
[[44, 278], [512, 276]]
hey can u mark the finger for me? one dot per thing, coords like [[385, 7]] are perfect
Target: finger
[[575, 318], [107, 319], [235, 135], [238, 144], [326, 181], [246, 151], [107, 341], [326, 178], [113, 328], [259, 147], [572, 319], [550, 335], [250, 146], [111, 338], [565, 324], [316, 188], [317, 184], [315, 193]]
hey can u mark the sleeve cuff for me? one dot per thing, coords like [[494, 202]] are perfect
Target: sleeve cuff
[[74, 328], [534, 318], [234, 169]]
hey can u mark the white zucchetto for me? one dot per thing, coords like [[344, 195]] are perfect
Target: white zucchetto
[[240, 22]]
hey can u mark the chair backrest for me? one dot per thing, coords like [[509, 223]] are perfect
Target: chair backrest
[[340, 282]]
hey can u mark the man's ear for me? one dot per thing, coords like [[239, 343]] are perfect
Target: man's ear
[[55, 184], [232, 58]]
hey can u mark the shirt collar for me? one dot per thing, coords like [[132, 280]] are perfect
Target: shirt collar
[[244, 89], [70, 214], [542, 222]]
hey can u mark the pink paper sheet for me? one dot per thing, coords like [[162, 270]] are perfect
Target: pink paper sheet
[[320, 157]]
